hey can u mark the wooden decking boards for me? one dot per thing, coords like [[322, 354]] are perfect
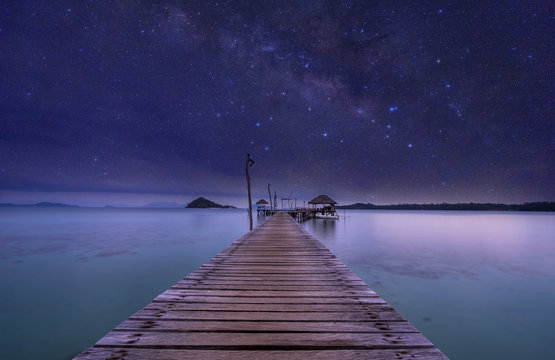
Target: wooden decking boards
[[275, 293]]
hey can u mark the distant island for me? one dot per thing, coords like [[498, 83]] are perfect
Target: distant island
[[531, 206], [41, 204], [202, 203]]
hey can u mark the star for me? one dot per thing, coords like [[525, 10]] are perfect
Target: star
[[156, 92]]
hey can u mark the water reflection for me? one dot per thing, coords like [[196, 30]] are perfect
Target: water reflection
[[460, 277], [96, 265], [445, 271], [435, 244], [323, 228], [85, 232]]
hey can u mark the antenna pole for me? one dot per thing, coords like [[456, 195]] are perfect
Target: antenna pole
[[270, 195], [250, 163]]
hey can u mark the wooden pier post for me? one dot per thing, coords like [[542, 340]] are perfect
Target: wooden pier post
[[250, 163], [270, 196]]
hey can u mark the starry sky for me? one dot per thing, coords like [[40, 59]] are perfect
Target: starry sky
[[128, 102]]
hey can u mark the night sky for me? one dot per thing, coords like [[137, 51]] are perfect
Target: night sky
[[128, 102]]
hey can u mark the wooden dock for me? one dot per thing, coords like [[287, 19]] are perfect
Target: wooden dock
[[275, 293], [300, 214]]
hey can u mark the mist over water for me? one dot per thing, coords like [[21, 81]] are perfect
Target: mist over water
[[477, 284]]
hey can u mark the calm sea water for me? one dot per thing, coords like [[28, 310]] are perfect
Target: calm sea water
[[70, 275], [477, 284]]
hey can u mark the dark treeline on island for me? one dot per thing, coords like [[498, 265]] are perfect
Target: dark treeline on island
[[202, 203], [531, 206], [41, 204]]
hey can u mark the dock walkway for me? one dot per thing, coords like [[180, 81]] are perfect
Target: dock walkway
[[275, 293]]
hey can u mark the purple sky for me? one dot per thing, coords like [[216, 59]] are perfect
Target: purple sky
[[385, 102]]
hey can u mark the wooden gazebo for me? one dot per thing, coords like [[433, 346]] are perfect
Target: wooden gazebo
[[328, 206], [261, 205]]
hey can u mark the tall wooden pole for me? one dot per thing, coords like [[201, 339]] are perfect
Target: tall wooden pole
[[250, 163], [270, 195]]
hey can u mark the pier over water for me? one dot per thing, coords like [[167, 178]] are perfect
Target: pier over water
[[275, 293]]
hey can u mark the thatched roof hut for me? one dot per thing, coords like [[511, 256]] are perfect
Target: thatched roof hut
[[322, 200], [261, 202]]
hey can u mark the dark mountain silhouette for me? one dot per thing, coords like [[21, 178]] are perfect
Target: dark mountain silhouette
[[531, 206], [202, 203]]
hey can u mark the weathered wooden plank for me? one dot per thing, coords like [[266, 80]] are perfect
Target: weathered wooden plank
[[267, 326], [289, 256], [318, 263], [181, 306], [305, 265], [271, 251], [268, 341], [274, 293], [276, 263], [274, 247], [376, 313], [321, 269], [277, 273], [172, 354], [273, 277], [175, 296], [269, 270], [282, 271], [219, 266], [276, 255], [239, 281], [267, 287]]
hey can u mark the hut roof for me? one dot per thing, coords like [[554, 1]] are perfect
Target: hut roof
[[322, 199], [262, 201]]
